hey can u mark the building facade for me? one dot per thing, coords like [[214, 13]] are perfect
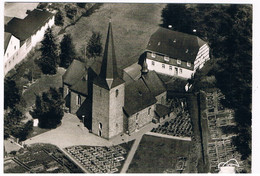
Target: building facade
[[26, 33], [176, 54]]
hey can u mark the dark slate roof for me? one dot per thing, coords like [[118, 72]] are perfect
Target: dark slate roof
[[109, 77], [24, 28], [137, 97], [134, 71], [162, 110], [7, 19], [74, 73], [81, 86], [6, 40], [154, 83], [175, 44]]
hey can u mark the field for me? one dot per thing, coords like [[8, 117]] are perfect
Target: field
[[158, 155], [18, 9], [132, 25]]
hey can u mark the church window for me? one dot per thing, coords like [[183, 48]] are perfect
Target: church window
[[78, 100], [153, 55], [180, 71], [7, 54], [149, 111], [178, 61], [100, 93], [14, 47], [152, 62], [136, 117], [117, 92], [100, 126], [163, 65]]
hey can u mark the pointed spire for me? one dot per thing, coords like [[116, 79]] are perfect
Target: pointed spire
[[108, 70]]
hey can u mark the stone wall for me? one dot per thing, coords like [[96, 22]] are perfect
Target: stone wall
[[140, 119]]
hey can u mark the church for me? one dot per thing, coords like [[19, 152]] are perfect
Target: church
[[109, 101]]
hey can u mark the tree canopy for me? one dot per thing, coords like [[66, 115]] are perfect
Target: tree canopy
[[49, 108], [11, 93], [67, 53], [49, 60], [94, 46]]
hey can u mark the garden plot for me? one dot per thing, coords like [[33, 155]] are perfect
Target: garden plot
[[100, 159]]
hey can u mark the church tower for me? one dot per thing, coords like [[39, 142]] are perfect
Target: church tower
[[108, 94]]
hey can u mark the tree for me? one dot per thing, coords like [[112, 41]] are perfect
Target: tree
[[67, 53], [71, 11], [12, 120], [49, 108], [49, 60], [81, 5], [11, 93], [94, 46], [59, 18]]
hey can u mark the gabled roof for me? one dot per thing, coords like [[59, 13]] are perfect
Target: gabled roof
[[81, 86], [74, 73], [108, 77], [154, 83], [137, 97], [162, 110], [175, 44], [24, 28], [6, 40]]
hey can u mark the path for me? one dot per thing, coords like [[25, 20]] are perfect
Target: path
[[131, 154], [71, 132], [169, 136]]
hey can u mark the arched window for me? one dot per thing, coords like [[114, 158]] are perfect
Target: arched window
[[79, 100], [136, 117], [149, 111], [117, 92], [100, 126]]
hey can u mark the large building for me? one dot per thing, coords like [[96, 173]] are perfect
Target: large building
[[111, 101], [176, 54], [21, 35]]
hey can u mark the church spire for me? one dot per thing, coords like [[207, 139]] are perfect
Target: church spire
[[108, 70]]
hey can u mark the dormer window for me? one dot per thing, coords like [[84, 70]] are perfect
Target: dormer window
[[187, 50], [166, 58], [178, 61], [153, 55], [188, 64], [159, 43]]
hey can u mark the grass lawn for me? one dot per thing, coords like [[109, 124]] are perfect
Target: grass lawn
[[36, 131], [41, 85], [156, 154], [133, 24]]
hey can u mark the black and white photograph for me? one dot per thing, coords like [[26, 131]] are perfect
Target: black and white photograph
[[127, 87]]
